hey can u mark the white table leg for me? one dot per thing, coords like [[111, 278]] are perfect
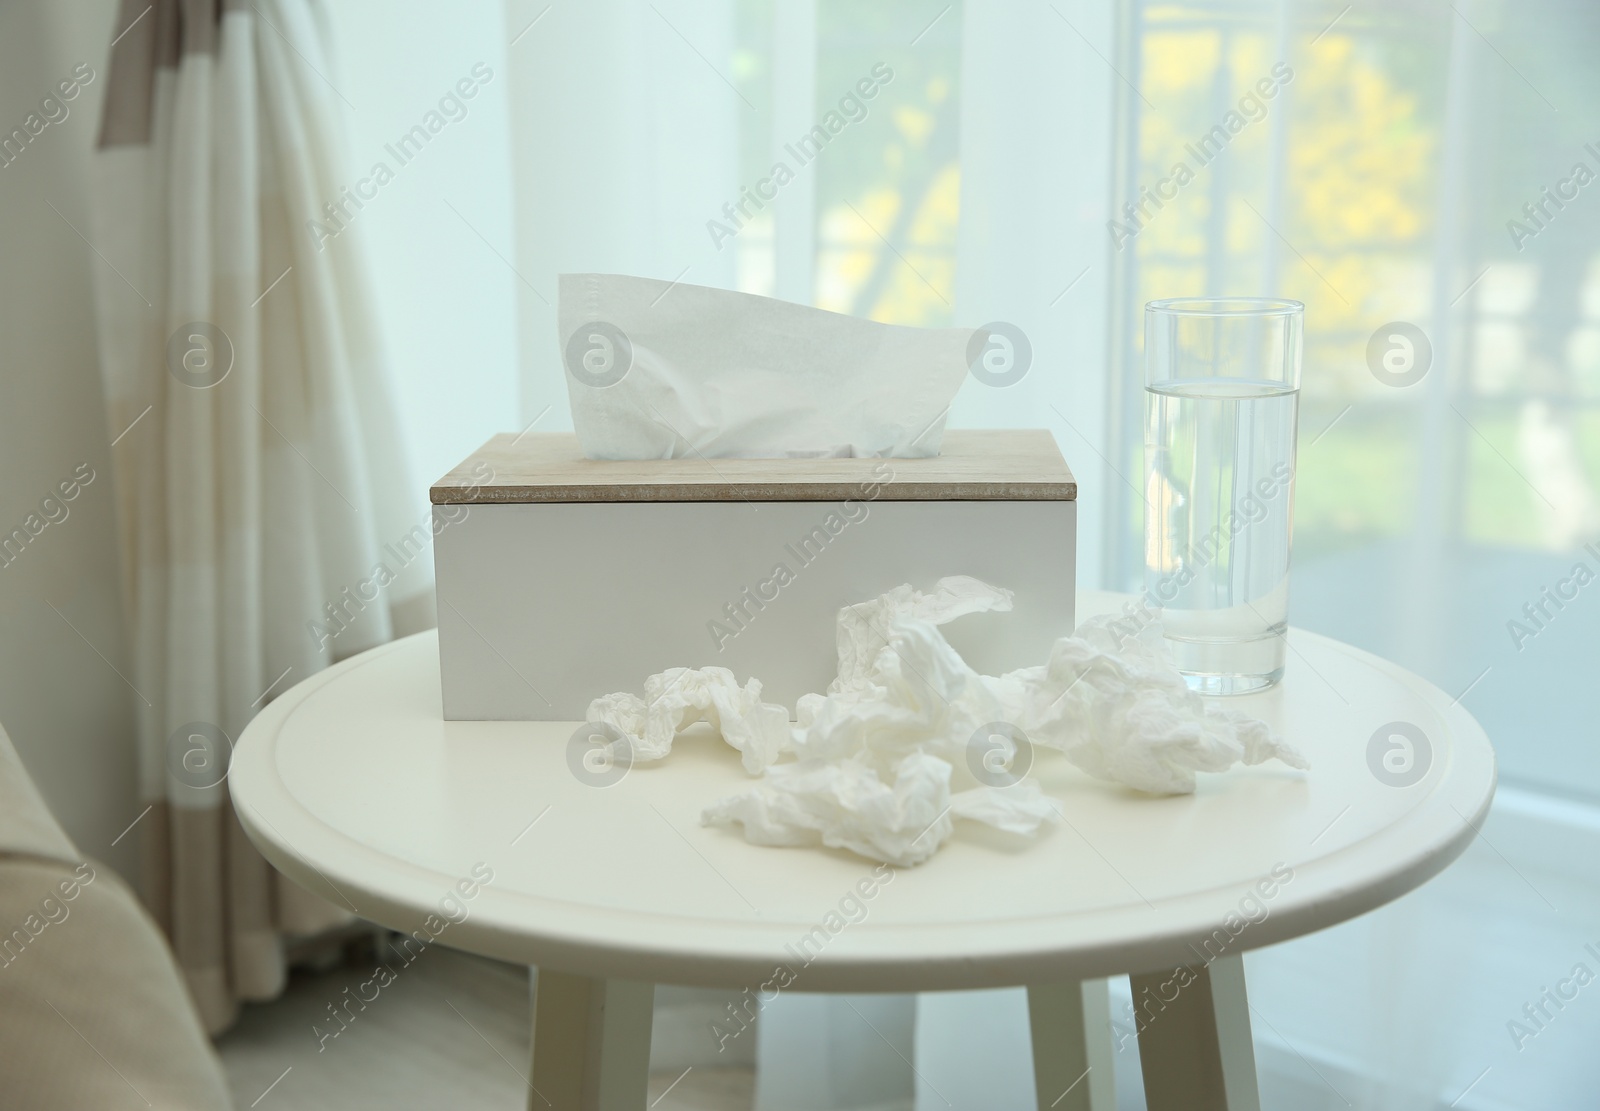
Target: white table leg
[[1072, 1051], [591, 1043], [1194, 1038]]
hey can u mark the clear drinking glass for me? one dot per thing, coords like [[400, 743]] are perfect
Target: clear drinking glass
[[1222, 396]]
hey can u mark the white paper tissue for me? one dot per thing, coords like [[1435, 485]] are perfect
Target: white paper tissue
[[682, 696], [875, 757], [1117, 707], [664, 370]]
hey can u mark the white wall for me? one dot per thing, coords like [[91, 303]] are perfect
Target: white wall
[[61, 699]]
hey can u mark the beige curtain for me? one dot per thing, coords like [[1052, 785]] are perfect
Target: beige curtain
[[267, 525]]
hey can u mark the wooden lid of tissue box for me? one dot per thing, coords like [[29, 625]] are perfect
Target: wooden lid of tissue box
[[974, 465]]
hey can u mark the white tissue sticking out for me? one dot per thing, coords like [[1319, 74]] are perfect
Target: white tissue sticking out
[[875, 757], [667, 370]]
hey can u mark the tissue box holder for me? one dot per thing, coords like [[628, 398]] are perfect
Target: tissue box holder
[[562, 578]]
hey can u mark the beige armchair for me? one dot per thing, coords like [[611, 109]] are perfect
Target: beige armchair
[[92, 1012]]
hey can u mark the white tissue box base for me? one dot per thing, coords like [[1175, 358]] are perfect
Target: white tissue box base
[[546, 606]]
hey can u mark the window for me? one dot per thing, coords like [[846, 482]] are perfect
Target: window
[[1375, 164]]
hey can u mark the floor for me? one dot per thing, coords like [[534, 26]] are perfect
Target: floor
[[448, 1030]]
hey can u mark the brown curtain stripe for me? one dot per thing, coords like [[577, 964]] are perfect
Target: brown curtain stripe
[[155, 34]]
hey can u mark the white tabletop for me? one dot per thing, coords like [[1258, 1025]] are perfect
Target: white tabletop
[[353, 785]]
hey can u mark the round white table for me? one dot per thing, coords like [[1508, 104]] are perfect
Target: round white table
[[484, 837]]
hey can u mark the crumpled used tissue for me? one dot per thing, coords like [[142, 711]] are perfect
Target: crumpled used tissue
[[1117, 707], [667, 370], [874, 757], [681, 696]]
